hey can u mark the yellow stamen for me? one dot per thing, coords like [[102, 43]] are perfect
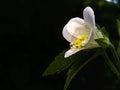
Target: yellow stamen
[[79, 42]]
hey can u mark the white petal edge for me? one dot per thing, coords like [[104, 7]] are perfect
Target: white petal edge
[[90, 37], [89, 16], [67, 35], [71, 52], [95, 34], [76, 29], [77, 20]]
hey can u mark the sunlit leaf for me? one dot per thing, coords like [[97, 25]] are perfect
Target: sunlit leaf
[[60, 63]]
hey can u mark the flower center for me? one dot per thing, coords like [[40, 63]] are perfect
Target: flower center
[[79, 42]]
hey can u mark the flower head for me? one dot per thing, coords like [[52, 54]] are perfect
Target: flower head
[[81, 33]]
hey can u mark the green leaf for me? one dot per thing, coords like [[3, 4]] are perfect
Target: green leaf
[[111, 65], [103, 42], [77, 66], [118, 49], [104, 32], [60, 63], [118, 27], [115, 55]]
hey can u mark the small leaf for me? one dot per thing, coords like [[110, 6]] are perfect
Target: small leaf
[[104, 32], [77, 66], [60, 63], [103, 42]]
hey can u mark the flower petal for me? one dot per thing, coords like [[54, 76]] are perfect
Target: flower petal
[[67, 35], [90, 38], [70, 28], [76, 28], [92, 44], [70, 52], [94, 34], [89, 16], [97, 34], [77, 20]]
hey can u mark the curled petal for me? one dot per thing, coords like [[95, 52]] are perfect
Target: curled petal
[[71, 29], [76, 28], [77, 20], [89, 16], [67, 35]]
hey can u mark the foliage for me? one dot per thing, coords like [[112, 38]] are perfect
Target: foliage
[[76, 62]]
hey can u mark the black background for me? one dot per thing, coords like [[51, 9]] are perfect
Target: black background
[[31, 36]]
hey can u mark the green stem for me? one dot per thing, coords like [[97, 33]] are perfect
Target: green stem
[[115, 54], [118, 49], [111, 65]]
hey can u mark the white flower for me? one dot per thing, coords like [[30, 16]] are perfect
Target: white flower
[[81, 33]]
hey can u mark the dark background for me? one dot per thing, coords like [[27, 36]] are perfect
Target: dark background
[[31, 36]]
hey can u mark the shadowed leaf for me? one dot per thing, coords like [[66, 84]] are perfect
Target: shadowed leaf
[[77, 66], [118, 27]]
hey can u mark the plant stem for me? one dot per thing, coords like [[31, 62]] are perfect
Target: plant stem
[[111, 65], [115, 54], [118, 49]]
